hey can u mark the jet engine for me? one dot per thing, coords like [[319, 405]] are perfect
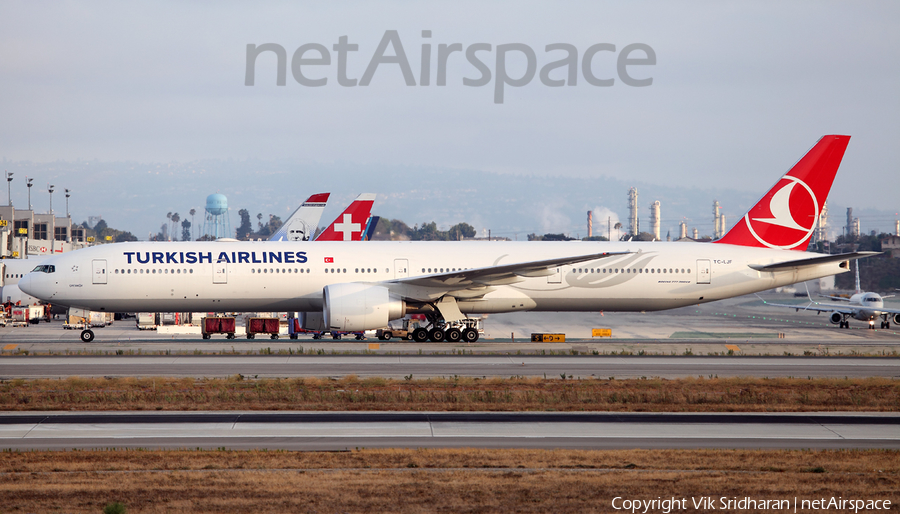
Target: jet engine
[[897, 318], [312, 321], [354, 306], [836, 317]]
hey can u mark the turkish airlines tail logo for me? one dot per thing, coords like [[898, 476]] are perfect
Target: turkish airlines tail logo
[[786, 216], [350, 224]]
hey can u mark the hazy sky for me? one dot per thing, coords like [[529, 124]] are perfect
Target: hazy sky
[[737, 86]]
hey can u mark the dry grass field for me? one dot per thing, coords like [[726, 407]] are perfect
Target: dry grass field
[[558, 481], [351, 393], [431, 480]]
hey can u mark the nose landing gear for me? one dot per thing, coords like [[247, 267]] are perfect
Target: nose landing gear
[[87, 335]]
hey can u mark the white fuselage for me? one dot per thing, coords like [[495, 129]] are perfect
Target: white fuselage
[[868, 305], [290, 276]]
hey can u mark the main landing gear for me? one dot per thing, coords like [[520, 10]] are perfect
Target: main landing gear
[[442, 331]]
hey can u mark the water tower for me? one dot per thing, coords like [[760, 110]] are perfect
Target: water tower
[[217, 224]]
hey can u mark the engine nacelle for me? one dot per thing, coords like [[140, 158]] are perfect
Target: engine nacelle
[[353, 307], [897, 319], [312, 321], [836, 317]]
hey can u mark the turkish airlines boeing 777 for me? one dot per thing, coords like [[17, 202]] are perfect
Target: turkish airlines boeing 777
[[362, 287]]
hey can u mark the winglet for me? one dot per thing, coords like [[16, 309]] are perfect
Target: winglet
[[786, 216]]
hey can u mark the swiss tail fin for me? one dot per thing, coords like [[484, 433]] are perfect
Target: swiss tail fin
[[302, 223], [786, 216], [350, 224]]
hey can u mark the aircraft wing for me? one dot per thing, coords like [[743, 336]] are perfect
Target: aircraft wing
[[835, 298], [481, 280], [812, 261], [815, 307]]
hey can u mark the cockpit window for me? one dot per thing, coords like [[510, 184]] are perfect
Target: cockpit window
[[44, 268]]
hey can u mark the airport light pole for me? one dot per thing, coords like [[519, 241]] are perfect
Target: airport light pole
[[9, 187], [68, 219], [52, 235], [28, 182]]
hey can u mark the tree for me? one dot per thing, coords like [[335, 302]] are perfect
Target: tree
[[100, 226], [259, 220], [243, 231], [185, 230], [125, 236], [557, 237], [618, 226], [460, 230], [192, 212], [175, 219]]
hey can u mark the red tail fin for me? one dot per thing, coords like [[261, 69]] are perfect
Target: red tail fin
[[350, 224], [786, 216]]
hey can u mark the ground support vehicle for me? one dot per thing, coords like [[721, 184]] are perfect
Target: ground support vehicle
[[217, 325], [404, 332], [146, 321], [271, 326]]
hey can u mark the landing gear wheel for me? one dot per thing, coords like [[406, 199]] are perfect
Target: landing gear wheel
[[317, 336], [229, 336], [274, 336], [420, 335], [470, 335], [293, 336], [251, 336], [436, 335], [387, 336], [87, 336], [206, 336], [453, 334], [336, 337]]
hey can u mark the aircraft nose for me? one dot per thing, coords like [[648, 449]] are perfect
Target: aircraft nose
[[27, 285]]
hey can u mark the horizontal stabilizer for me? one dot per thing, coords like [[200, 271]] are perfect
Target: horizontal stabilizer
[[813, 261]]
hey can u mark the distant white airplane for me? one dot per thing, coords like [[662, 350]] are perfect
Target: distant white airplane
[[14, 270], [861, 305], [302, 223], [362, 287]]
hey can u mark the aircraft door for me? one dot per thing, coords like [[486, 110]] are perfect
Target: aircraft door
[[703, 271], [401, 268], [556, 277], [98, 268], [220, 273]]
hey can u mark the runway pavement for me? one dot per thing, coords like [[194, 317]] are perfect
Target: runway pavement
[[347, 430], [421, 366]]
